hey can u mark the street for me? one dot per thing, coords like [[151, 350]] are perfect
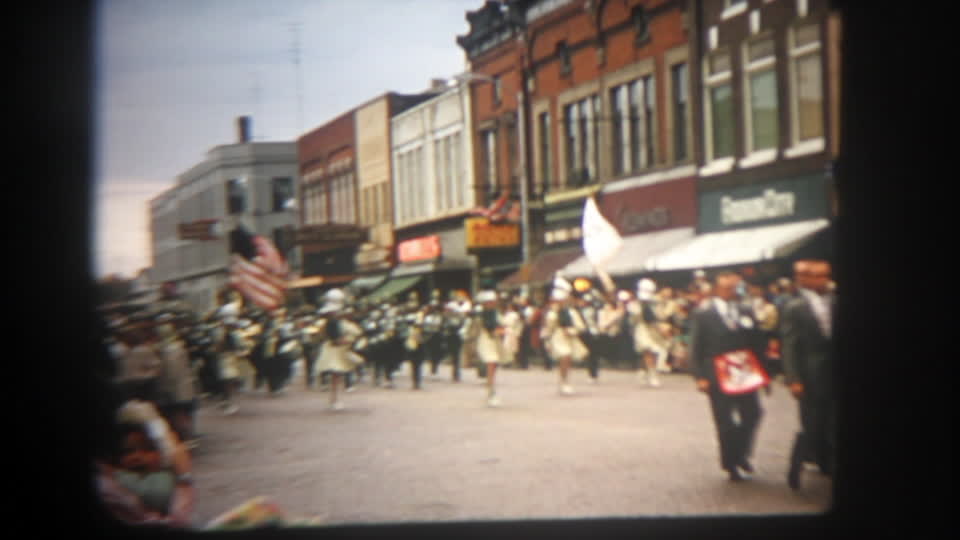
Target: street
[[615, 449]]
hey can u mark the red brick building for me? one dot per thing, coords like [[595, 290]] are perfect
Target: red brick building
[[329, 232], [766, 112], [584, 96]]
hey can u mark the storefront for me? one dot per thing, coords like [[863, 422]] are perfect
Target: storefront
[[763, 226], [651, 219], [329, 253], [496, 246], [428, 262], [559, 245]]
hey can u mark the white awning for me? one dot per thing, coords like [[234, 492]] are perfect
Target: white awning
[[633, 254], [742, 246]]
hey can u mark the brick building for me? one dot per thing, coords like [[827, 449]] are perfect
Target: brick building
[[766, 107], [329, 231], [597, 91]]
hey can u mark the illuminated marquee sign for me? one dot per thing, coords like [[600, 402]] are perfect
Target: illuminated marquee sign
[[483, 234], [419, 249]]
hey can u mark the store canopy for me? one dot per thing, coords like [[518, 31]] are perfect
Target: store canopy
[[393, 287], [633, 253], [366, 283], [431, 267], [541, 269], [742, 246]]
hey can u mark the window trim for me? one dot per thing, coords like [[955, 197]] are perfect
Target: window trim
[[732, 10]]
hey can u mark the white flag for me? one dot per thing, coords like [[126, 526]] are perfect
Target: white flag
[[601, 241]]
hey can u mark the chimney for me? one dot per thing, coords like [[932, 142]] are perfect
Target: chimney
[[438, 85], [243, 129]]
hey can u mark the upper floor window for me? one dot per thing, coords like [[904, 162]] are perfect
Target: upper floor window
[[282, 189], [641, 26], [490, 156], [497, 90], [563, 52], [236, 196], [633, 121], [719, 106], [806, 85], [680, 111], [543, 125], [581, 127], [760, 95]]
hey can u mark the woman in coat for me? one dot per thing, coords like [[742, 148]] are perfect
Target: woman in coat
[[561, 332]]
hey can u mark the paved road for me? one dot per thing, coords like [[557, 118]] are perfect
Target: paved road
[[439, 454]]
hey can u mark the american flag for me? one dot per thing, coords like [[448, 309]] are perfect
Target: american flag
[[493, 209], [263, 280]]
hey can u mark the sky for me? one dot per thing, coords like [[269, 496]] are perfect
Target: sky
[[172, 76]]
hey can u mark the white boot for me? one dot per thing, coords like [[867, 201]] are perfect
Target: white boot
[[654, 378]]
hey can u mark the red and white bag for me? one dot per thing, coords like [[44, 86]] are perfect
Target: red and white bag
[[739, 372]]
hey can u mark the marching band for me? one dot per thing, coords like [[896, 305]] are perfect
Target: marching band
[[241, 348]]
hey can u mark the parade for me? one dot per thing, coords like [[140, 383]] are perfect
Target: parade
[[176, 361], [585, 271]]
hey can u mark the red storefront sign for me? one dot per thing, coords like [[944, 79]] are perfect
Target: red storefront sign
[[654, 207], [419, 249]]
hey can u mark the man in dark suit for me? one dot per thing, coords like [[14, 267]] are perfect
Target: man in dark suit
[[807, 330], [720, 326]]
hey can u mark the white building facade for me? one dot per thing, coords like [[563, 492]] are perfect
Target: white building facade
[[249, 184], [432, 159]]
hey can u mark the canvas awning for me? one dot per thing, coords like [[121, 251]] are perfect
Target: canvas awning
[[366, 283], [541, 269], [741, 246], [633, 253], [393, 287], [431, 267]]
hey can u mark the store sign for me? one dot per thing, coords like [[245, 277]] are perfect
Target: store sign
[[419, 249], [632, 222], [483, 234], [373, 256], [559, 236], [771, 203], [331, 234], [201, 230]]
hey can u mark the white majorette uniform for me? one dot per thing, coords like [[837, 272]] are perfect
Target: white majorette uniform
[[336, 353], [647, 337], [512, 323], [562, 328], [490, 349]]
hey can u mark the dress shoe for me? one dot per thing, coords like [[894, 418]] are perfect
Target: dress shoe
[[793, 475], [734, 475]]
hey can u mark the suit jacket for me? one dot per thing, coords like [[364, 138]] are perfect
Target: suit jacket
[[710, 336], [806, 352]]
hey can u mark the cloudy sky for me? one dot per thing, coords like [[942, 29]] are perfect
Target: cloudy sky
[[173, 75]]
